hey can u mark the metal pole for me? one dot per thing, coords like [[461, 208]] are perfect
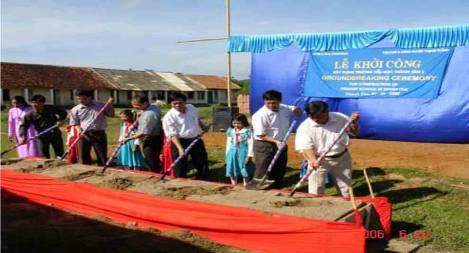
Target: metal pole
[[228, 54]]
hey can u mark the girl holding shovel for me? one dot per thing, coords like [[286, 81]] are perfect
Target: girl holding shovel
[[129, 155]]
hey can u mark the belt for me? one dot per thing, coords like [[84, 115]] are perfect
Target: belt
[[255, 140], [188, 139], [94, 131], [337, 155]]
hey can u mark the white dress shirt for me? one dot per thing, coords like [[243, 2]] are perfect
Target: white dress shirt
[[311, 135], [273, 124], [183, 125]]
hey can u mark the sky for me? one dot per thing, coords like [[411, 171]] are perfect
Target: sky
[[142, 34]]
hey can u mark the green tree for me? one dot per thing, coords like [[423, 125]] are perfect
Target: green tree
[[244, 84]]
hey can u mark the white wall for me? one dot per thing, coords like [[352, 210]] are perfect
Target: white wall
[[196, 99], [222, 96], [104, 95], [31, 92], [13, 92], [41, 91], [64, 97]]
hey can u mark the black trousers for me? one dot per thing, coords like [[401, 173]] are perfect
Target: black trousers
[[198, 155], [96, 139], [151, 149], [264, 153], [54, 139]]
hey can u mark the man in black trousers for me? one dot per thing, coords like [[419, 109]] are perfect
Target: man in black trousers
[[183, 125], [86, 116], [270, 126], [149, 131], [43, 117]]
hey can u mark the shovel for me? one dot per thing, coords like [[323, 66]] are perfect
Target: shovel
[[30, 139], [186, 152], [109, 101], [263, 183], [321, 158], [114, 153]]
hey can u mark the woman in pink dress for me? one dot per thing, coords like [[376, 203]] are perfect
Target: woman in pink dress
[[15, 116]]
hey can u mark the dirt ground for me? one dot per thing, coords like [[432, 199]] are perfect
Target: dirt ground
[[326, 208], [447, 159], [52, 230]]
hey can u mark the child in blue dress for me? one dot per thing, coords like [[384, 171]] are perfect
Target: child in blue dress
[[129, 155], [239, 152]]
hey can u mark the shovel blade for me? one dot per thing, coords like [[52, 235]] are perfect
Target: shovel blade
[[252, 185], [265, 185], [259, 184], [99, 172]]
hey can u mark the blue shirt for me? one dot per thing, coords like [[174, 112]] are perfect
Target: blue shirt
[[149, 122]]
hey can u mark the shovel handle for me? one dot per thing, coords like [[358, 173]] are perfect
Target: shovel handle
[[341, 133], [30, 139], [109, 101], [372, 194], [114, 153], [186, 152]]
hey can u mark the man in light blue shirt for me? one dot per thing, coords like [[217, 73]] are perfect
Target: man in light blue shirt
[[149, 131]]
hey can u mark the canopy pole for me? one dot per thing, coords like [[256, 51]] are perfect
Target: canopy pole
[[228, 54]]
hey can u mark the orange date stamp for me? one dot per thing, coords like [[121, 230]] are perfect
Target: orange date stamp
[[420, 235]]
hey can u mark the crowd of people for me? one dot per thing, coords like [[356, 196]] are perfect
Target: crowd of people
[[150, 141]]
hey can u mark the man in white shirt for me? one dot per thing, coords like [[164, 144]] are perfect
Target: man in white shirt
[[182, 124], [270, 124], [315, 135]]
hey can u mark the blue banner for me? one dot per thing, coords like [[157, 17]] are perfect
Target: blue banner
[[377, 73]]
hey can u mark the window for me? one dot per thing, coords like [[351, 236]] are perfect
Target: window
[[117, 99], [25, 93], [201, 95], [129, 95], [55, 96], [160, 95], [72, 95], [190, 95], [6, 95], [114, 94], [215, 95]]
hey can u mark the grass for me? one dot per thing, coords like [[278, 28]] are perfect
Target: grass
[[112, 130], [422, 201]]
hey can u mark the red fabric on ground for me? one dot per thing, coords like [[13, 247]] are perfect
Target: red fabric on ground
[[358, 218], [238, 227], [381, 205], [384, 210]]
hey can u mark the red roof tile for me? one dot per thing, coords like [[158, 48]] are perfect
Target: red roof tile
[[47, 76], [212, 82]]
